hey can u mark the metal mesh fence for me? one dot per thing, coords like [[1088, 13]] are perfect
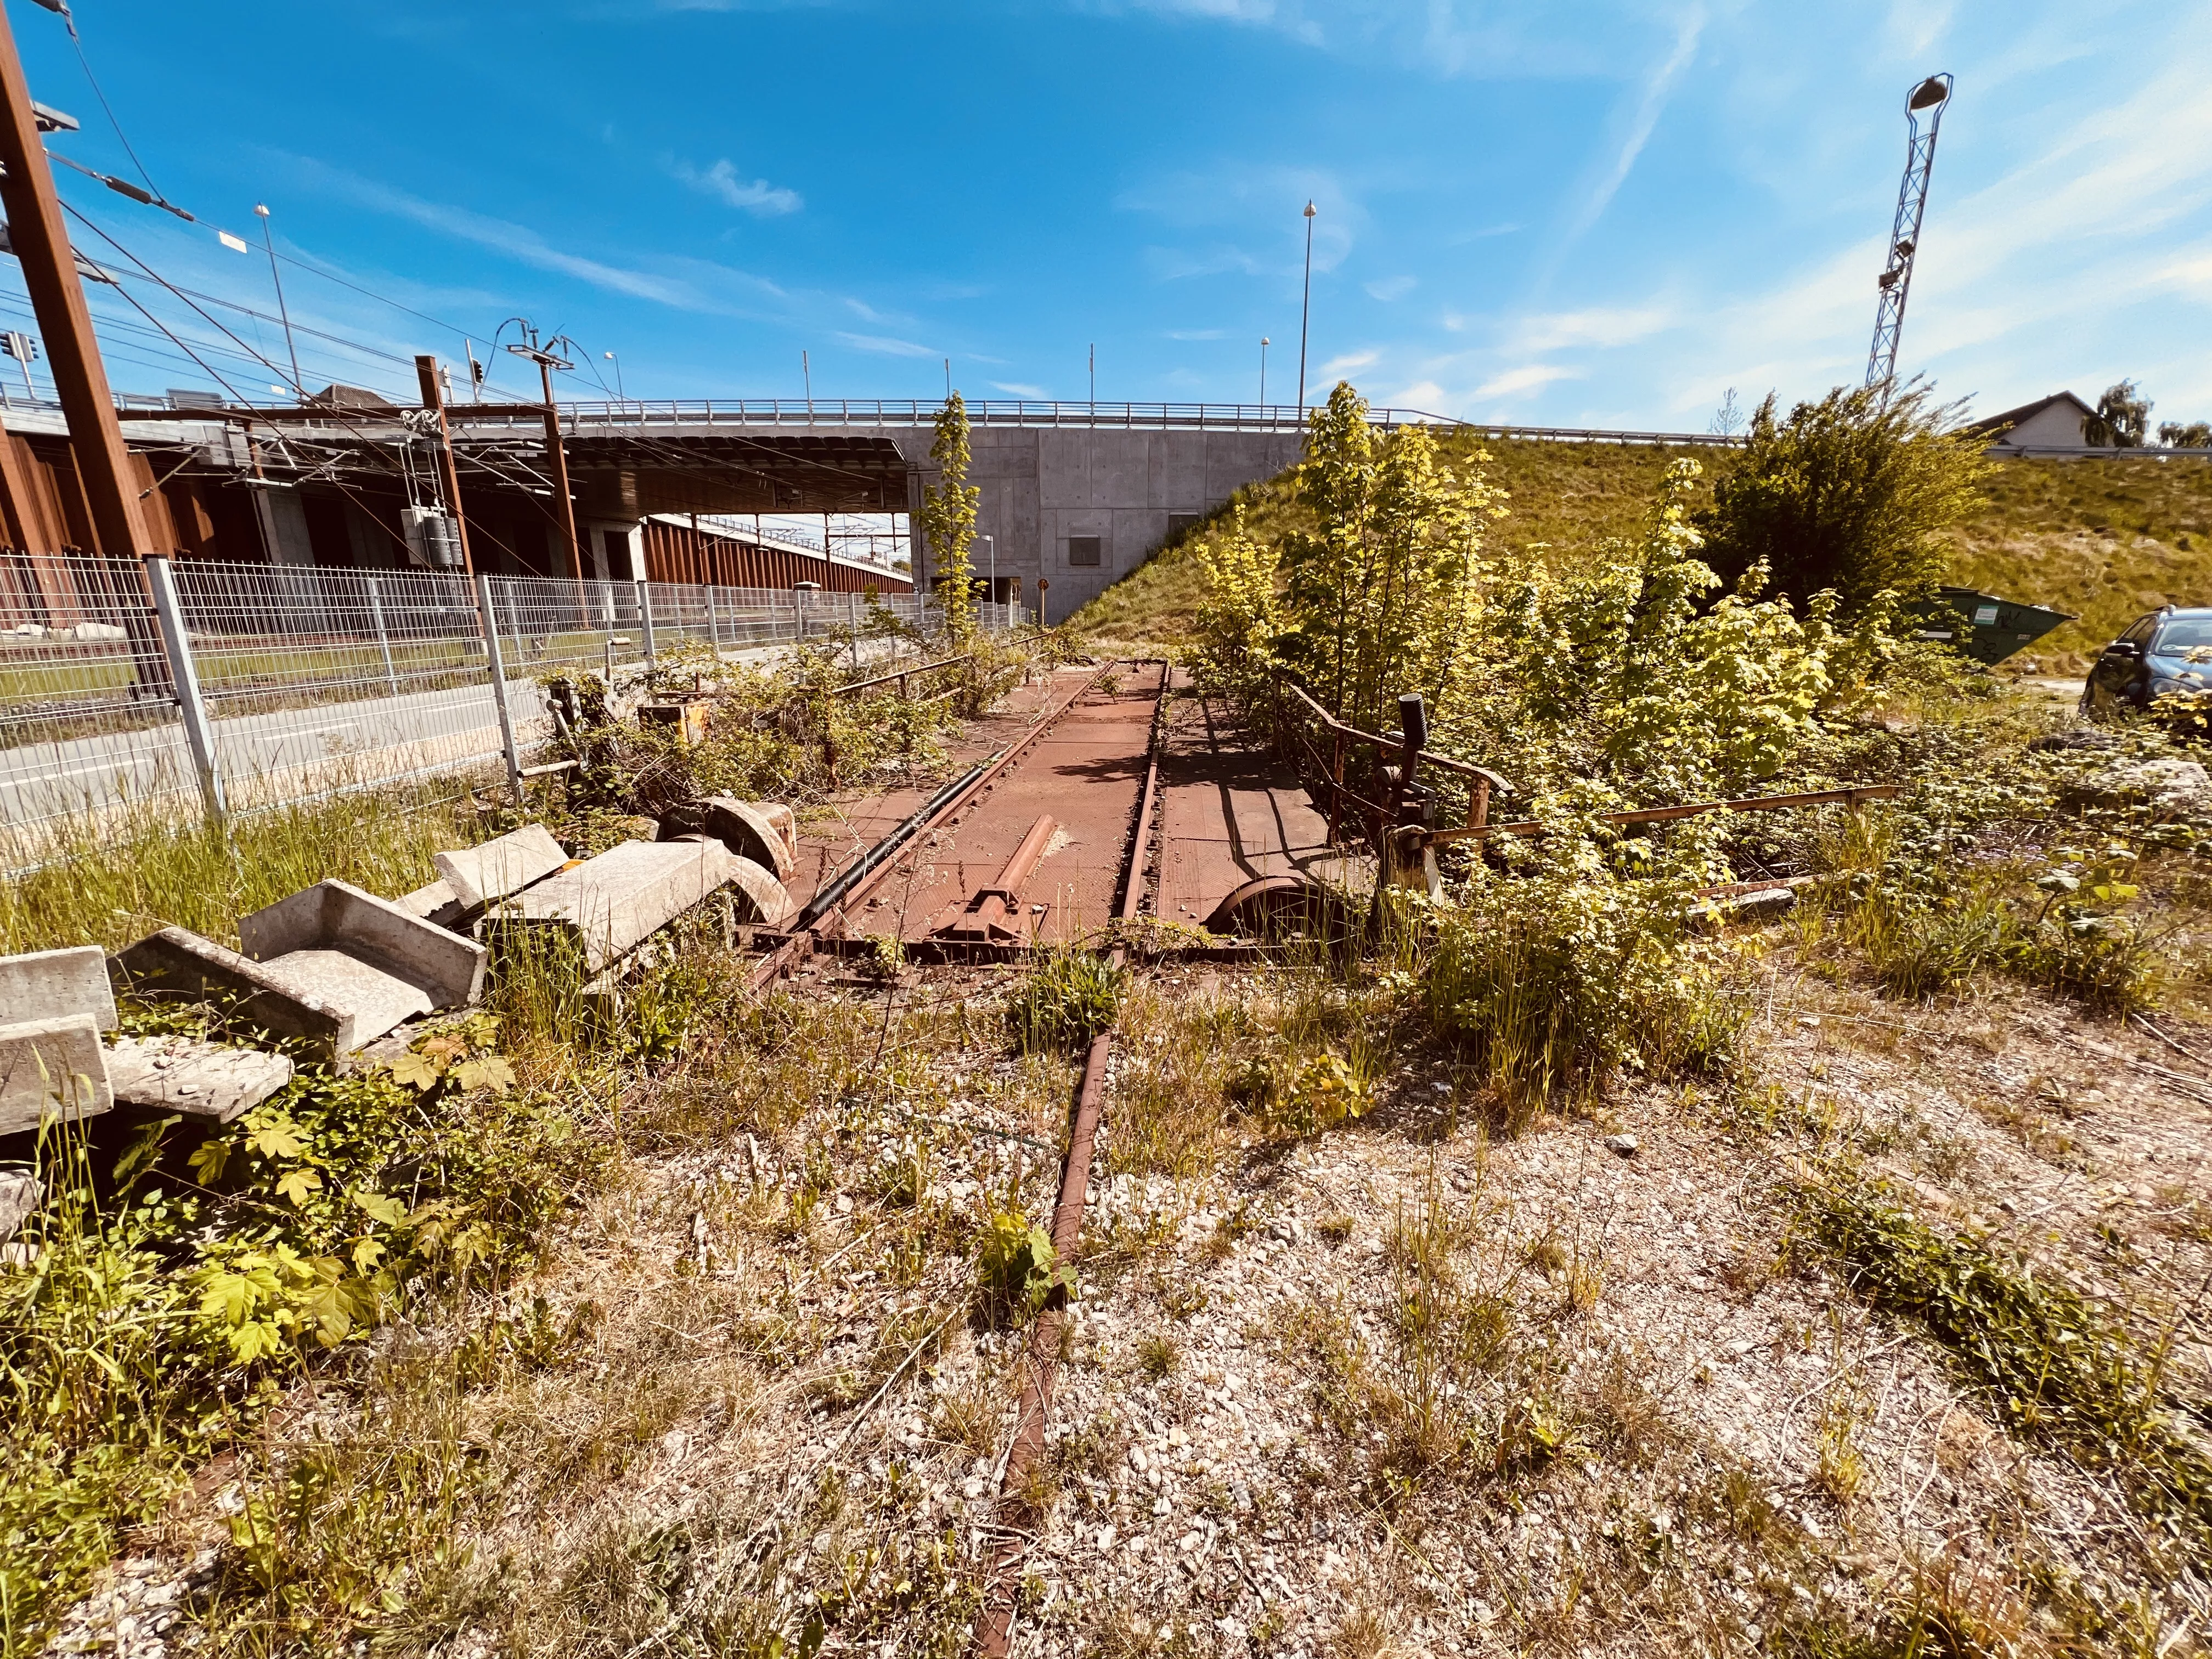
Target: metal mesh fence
[[311, 680]]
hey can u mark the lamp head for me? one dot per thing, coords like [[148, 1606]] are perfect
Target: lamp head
[[1929, 93], [1309, 210]]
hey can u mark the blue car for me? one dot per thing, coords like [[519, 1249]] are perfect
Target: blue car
[[2168, 651]]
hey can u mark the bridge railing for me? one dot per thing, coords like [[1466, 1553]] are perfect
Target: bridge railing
[[615, 414]]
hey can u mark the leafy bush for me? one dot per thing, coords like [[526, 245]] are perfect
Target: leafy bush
[[1850, 495], [137, 1334], [1553, 981], [1069, 998]]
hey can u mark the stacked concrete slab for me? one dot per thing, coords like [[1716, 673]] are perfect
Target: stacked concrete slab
[[331, 967], [56, 1005], [57, 1059]]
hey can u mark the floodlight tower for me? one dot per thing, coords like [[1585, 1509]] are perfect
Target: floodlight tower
[[1931, 97]]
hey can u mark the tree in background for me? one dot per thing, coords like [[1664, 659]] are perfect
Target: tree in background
[[2196, 435], [1850, 495], [2122, 419], [947, 520], [1728, 419]]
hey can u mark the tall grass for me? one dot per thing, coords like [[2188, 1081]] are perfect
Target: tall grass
[[111, 876]]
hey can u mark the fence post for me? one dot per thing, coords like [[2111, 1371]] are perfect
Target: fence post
[[645, 618], [184, 676], [714, 627], [498, 667], [383, 640]]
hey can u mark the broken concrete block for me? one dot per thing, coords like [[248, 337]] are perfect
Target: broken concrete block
[[614, 902], [48, 983], [20, 1194], [54, 1064], [175, 964], [355, 951], [200, 1080], [478, 875], [767, 834], [436, 902]]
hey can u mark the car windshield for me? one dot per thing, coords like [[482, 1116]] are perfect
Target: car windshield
[[2184, 634]]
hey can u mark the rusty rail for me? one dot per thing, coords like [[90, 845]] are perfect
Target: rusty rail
[[875, 864], [995, 1623], [1481, 775], [900, 674]]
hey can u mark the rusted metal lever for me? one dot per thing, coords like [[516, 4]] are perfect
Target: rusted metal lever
[[996, 915]]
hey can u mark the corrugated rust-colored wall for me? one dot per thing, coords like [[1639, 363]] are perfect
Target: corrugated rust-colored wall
[[679, 553]]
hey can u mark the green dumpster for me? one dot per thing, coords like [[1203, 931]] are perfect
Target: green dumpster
[[1986, 628]]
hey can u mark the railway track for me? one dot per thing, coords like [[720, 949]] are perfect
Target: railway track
[[1094, 756]]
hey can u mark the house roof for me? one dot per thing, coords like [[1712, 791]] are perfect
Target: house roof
[[2026, 412]]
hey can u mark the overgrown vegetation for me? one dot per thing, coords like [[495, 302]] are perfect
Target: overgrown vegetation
[[1853, 495]]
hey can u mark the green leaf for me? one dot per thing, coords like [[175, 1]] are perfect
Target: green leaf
[[298, 1186], [487, 1071], [379, 1207], [277, 1141], [417, 1071]]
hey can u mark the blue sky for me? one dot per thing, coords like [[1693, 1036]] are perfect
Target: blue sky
[[1596, 215]]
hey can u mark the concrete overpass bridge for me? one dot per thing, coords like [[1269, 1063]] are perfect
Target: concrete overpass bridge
[[1079, 494]]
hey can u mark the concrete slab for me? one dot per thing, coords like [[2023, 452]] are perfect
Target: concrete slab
[[436, 902], [614, 902], [48, 983], [199, 1079], [55, 1064], [767, 833], [174, 964], [335, 918], [374, 1000], [20, 1194], [477, 875]]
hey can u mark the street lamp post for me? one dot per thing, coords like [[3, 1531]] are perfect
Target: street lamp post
[[1263, 371], [994, 540], [620, 394], [1305, 309]]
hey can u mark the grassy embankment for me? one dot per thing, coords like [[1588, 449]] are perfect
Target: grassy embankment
[[2106, 540]]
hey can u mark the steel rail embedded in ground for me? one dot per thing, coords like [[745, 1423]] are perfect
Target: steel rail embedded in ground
[[995, 1623]]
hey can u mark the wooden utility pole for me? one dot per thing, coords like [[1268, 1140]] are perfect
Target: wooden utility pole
[[546, 362], [434, 396], [41, 242]]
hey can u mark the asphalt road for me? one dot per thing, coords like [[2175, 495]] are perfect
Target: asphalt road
[[287, 754]]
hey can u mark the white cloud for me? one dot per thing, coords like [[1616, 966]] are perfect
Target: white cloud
[[1601, 325], [1531, 377], [1347, 363], [1425, 395], [1018, 389], [518, 242], [888, 346], [1391, 288], [721, 181]]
